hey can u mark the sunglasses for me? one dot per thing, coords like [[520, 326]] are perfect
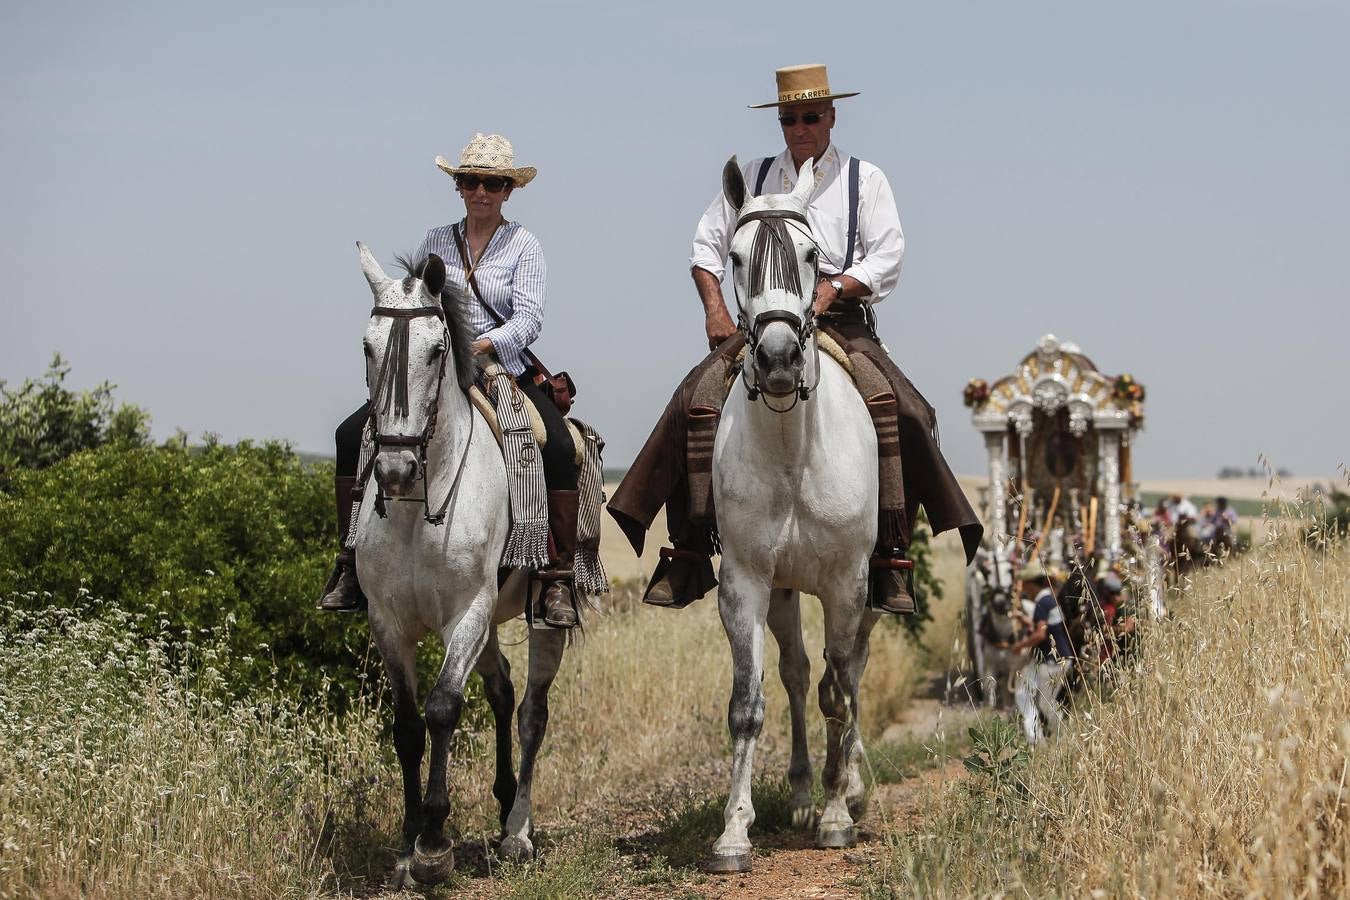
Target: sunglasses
[[790, 119], [493, 184]]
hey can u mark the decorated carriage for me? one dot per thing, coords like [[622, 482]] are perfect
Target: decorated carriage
[[1059, 436]]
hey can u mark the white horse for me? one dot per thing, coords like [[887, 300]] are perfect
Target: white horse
[[795, 484], [431, 565], [991, 593]]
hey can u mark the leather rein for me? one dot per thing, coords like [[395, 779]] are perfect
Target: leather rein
[[804, 330], [391, 389]]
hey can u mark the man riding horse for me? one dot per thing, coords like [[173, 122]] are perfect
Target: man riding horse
[[854, 221]]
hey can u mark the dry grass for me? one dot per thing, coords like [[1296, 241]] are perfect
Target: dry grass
[[1216, 768], [127, 771], [646, 693]]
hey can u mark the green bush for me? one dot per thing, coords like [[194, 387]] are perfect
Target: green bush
[[42, 422], [189, 538]]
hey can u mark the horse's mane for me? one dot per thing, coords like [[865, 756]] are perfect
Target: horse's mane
[[454, 302]]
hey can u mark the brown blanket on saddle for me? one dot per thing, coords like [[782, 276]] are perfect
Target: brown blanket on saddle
[[912, 469]]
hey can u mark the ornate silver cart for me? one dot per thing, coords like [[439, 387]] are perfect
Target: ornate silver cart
[[1058, 436]]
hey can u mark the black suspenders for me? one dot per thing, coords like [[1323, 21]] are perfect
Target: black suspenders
[[852, 211], [767, 163]]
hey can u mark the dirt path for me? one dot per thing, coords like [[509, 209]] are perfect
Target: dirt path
[[796, 869]]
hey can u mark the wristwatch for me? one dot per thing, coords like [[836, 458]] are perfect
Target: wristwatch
[[838, 288]]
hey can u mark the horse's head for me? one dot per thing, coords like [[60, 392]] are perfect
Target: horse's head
[[406, 345], [774, 262]]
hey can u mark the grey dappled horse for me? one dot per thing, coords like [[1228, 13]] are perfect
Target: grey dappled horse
[[431, 566]]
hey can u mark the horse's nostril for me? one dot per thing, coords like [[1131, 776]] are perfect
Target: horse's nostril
[[795, 356]]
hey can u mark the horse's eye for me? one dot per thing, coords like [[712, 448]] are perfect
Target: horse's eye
[[735, 259], [811, 255], [436, 351], [369, 350]]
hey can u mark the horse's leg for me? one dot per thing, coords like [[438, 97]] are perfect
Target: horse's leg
[[794, 668], [546, 653], [838, 701], [433, 854], [410, 737], [501, 696], [856, 795], [744, 605]]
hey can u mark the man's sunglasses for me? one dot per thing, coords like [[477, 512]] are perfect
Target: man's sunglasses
[[789, 119], [493, 184]]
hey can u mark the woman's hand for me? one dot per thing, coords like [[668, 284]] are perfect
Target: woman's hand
[[482, 346]]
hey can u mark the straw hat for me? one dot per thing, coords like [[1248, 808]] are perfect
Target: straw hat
[[489, 154], [1033, 571], [803, 84]]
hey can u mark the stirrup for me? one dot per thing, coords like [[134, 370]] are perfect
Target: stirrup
[[883, 567], [536, 610], [697, 578], [353, 599]]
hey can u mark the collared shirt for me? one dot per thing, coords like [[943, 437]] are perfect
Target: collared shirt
[[881, 242], [511, 274]]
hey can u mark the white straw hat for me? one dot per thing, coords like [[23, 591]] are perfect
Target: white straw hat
[[489, 154]]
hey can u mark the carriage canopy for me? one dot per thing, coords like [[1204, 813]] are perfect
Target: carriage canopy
[[1058, 434]]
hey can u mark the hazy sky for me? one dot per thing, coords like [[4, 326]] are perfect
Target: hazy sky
[[1167, 184]]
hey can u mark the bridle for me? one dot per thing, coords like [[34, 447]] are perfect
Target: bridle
[[391, 391], [753, 330]]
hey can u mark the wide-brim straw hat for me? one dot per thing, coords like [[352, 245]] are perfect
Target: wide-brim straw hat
[[489, 154], [803, 84], [1033, 571]]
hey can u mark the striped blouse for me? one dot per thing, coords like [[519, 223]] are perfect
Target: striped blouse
[[511, 276]]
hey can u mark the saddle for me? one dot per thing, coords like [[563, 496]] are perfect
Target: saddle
[[710, 394], [479, 398]]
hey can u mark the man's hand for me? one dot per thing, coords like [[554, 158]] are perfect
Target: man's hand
[[482, 345], [719, 326], [826, 295]]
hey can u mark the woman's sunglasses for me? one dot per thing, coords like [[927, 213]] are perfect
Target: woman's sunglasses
[[493, 184], [790, 119]]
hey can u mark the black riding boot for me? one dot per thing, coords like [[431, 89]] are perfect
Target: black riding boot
[[342, 593], [557, 597]]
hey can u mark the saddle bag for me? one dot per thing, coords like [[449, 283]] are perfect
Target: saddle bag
[[560, 388]]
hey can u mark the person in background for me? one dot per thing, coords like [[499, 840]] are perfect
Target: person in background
[[1051, 657]]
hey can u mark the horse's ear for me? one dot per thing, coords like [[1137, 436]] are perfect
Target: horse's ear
[[433, 275], [806, 184], [374, 274], [733, 184]]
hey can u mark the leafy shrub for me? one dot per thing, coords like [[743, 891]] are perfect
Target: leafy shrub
[[186, 538], [42, 421]]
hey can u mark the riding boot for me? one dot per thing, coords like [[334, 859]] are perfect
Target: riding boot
[[888, 588], [343, 593], [685, 572], [557, 599]]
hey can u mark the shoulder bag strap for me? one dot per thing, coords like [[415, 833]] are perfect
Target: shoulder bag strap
[[853, 190]]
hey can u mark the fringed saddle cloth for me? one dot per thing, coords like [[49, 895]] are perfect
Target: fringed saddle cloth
[[519, 430]]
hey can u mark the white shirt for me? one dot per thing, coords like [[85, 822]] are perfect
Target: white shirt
[[511, 274], [881, 242]]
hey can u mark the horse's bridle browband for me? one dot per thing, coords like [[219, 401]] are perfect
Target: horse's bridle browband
[[752, 330], [395, 365]]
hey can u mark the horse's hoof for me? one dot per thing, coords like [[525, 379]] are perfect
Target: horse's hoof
[[836, 837], [516, 849], [401, 878], [729, 864], [804, 817], [857, 805], [434, 867]]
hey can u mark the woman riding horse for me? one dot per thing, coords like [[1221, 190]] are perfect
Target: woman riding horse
[[500, 267]]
